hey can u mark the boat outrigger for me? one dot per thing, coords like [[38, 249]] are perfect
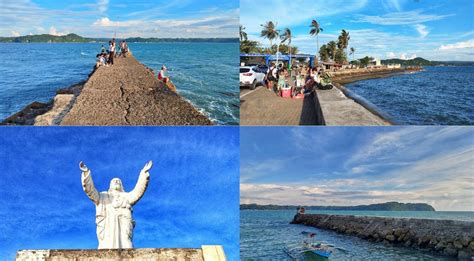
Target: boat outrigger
[[310, 249]]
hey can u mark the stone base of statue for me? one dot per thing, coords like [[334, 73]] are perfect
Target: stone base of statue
[[205, 253]]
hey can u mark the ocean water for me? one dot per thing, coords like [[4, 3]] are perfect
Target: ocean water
[[264, 234], [206, 74], [435, 96]]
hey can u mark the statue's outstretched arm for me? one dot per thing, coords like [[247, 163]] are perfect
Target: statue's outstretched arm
[[142, 184], [88, 184]]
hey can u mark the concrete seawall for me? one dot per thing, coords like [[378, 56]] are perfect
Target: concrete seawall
[[126, 93], [206, 253], [447, 237]]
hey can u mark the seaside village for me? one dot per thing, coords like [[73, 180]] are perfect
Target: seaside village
[[283, 70]]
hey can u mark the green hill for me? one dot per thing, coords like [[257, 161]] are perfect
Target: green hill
[[413, 62], [46, 38], [74, 38], [423, 62], [389, 206]]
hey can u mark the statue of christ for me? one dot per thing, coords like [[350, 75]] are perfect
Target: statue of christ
[[114, 208]]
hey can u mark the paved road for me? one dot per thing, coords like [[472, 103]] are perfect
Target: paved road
[[127, 93], [263, 107]]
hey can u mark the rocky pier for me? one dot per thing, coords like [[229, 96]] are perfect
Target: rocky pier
[[126, 93], [446, 237]]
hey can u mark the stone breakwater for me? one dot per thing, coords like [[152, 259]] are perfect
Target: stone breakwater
[[126, 93], [446, 237]]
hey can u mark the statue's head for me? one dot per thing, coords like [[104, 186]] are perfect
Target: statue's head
[[116, 185]]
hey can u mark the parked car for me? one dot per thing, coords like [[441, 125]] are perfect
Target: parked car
[[251, 76]]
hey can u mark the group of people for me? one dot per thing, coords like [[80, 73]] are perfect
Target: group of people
[[301, 79], [106, 56]]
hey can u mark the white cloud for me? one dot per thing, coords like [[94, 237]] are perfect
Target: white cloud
[[391, 55], [53, 31], [422, 30], [459, 45], [399, 18], [222, 25], [15, 33], [102, 5], [405, 56], [290, 13]]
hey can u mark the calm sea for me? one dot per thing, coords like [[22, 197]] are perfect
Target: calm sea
[[435, 96], [206, 74], [263, 235]]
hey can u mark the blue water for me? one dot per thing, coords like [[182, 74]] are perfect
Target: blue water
[[263, 235], [206, 74], [435, 96]]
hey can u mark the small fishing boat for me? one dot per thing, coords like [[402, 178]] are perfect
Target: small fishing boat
[[309, 249]]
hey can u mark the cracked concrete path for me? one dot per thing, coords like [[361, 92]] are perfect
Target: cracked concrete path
[[127, 93]]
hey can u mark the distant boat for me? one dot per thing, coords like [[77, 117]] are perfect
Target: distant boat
[[84, 54]]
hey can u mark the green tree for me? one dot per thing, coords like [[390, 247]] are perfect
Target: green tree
[[332, 48], [269, 32], [340, 56], [323, 53], [343, 40], [365, 61], [352, 52], [286, 37], [315, 30], [242, 33], [247, 46]]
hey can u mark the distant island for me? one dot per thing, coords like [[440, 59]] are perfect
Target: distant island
[[423, 62], [74, 38], [388, 206]]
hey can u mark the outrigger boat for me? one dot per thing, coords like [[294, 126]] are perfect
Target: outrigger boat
[[310, 249]]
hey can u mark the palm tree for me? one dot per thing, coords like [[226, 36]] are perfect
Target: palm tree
[[269, 31], [315, 30], [353, 50], [332, 48], [343, 40], [243, 34], [286, 36]]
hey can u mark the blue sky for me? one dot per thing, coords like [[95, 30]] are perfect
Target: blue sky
[[434, 29], [358, 165], [126, 18], [192, 198]]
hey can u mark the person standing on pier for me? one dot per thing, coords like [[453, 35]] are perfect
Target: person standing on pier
[[111, 51]]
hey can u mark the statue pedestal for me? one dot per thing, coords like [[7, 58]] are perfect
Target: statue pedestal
[[205, 253]]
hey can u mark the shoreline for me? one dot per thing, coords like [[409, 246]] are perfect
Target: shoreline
[[341, 79], [60, 107]]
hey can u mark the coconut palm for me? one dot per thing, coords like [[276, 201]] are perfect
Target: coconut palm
[[269, 31], [332, 48], [315, 30], [286, 37], [343, 40], [353, 50], [243, 34]]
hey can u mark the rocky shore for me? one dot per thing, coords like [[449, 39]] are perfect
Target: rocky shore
[[446, 237], [126, 93]]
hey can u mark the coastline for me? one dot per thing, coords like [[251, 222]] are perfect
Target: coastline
[[344, 77], [134, 93]]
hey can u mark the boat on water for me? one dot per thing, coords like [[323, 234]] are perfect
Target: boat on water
[[309, 249]]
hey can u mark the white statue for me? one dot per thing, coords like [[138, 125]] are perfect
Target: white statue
[[114, 208]]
